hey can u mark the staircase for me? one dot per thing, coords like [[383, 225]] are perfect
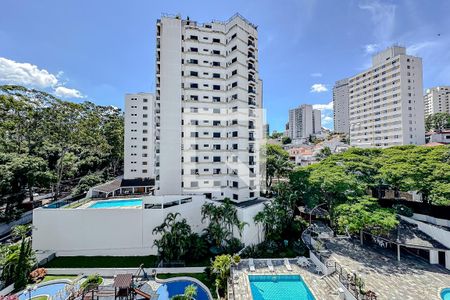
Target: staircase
[[333, 282]]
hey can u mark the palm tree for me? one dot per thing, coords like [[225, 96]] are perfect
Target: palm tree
[[190, 292]]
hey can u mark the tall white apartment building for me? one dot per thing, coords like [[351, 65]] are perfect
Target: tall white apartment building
[[340, 106], [304, 121], [208, 105], [139, 136], [386, 101], [437, 99]]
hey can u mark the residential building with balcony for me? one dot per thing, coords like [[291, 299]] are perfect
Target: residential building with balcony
[[139, 136], [340, 107], [304, 121], [208, 104], [386, 101], [437, 99]]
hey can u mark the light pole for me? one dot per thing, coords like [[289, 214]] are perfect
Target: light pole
[[310, 212], [29, 290]]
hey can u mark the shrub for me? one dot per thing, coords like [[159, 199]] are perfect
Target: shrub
[[403, 210], [91, 281]]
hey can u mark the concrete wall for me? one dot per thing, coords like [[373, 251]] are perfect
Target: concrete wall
[[121, 231], [439, 234], [91, 232], [432, 220]]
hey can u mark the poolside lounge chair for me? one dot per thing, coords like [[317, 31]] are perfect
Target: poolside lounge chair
[[251, 265], [270, 265], [287, 264]]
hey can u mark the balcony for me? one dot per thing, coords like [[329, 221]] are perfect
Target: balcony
[[252, 91], [251, 126], [251, 150], [251, 163], [251, 102]]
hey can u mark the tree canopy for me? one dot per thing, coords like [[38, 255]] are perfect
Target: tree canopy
[[49, 144]]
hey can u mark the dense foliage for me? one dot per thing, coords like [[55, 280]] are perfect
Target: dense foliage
[[48, 144], [17, 260], [277, 164], [437, 122]]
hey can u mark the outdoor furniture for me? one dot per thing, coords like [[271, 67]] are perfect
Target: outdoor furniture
[[303, 262], [123, 286], [287, 264], [270, 265], [318, 270], [251, 265]]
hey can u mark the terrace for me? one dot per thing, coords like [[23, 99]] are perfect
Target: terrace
[[239, 284]]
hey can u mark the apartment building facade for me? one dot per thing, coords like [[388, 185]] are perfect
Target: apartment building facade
[[340, 106], [139, 136], [304, 121], [437, 99], [386, 101], [208, 104]]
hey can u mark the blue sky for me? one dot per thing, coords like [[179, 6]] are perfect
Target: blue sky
[[99, 50]]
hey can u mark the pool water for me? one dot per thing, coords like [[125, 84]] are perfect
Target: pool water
[[117, 203], [170, 289], [55, 290], [279, 287], [445, 294]]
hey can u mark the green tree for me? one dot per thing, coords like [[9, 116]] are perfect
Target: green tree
[[286, 140], [364, 213], [175, 241], [437, 122], [323, 153], [277, 163], [221, 269]]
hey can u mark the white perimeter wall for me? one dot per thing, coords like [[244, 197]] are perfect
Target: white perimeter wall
[[120, 232]]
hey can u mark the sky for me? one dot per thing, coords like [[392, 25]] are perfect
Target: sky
[[99, 50]]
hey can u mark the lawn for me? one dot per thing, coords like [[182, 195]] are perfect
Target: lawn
[[150, 261], [55, 277], [200, 276], [103, 262], [40, 298]]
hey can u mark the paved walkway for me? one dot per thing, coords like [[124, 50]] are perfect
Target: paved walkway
[[409, 279]]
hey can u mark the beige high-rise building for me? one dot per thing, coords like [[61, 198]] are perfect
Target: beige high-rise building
[[437, 99], [386, 101], [304, 121]]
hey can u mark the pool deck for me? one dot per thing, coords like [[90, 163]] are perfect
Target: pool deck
[[409, 279], [240, 285]]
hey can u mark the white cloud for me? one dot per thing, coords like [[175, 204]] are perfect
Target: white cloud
[[12, 72], [420, 47], [316, 74], [318, 88], [383, 18], [68, 93], [328, 106], [371, 48]]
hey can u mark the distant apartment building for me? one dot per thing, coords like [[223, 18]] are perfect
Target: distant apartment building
[[266, 130], [139, 136], [340, 107], [208, 105], [304, 121], [386, 101], [437, 99]]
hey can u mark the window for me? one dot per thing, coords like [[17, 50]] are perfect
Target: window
[[194, 134], [216, 159], [216, 40], [193, 61], [194, 184], [234, 60], [193, 73], [234, 72], [216, 75], [216, 64], [194, 49], [216, 87], [234, 84], [194, 98], [217, 52], [194, 159], [194, 85], [194, 37], [216, 135]]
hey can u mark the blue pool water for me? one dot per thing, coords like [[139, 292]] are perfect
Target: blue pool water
[[170, 289], [279, 287], [51, 289], [117, 203], [445, 294]]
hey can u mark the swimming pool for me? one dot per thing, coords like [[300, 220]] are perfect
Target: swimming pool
[[117, 203], [279, 287], [445, 294], [56, 290], [169, 289]]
